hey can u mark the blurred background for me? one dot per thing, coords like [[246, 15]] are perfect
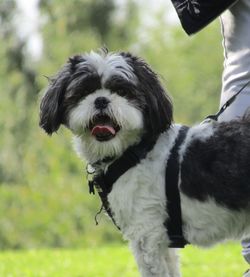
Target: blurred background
[[44, 200]]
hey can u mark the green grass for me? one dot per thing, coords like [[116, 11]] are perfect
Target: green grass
[[102, 262], [221, 261], [116, 261]]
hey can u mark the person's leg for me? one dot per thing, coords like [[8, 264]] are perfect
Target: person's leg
[[235, 24]]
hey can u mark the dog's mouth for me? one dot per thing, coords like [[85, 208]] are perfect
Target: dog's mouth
[[103, 128]]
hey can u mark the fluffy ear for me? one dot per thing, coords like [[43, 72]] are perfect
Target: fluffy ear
[[51, 115], [158, 107]]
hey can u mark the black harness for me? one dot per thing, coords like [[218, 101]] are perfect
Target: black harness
[[174, 221], [103, 182]]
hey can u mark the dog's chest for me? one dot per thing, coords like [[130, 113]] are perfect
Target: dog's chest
[[138, 196]]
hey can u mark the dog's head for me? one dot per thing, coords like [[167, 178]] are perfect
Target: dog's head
[[110, 101]]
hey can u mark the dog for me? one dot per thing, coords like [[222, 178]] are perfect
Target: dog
[[114, 102]]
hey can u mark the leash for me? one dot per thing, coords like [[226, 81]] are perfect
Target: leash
[[226, 105], [94, 184]]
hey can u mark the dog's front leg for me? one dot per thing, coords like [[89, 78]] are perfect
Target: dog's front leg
[[153, 257], [172, 260]]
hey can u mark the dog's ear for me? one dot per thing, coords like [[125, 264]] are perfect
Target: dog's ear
[[51, 114], [159, 109]]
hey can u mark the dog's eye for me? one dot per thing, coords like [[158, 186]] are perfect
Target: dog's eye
[[121, 92]]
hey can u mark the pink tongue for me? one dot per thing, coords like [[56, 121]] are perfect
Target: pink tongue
[[102, 129]]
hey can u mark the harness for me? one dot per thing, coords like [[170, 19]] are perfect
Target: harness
[[174, 221], [103, 183]]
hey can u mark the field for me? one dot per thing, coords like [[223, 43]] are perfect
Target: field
[[114, 261]]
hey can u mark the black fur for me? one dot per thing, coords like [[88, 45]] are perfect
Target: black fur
[[80, 86], [158, 111], [66, 89], [219, 167], [122, 87], [50, 107]]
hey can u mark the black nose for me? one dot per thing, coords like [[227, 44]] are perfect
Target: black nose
[[101, 103]]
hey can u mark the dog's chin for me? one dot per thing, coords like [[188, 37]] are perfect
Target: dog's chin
[[94, 145]]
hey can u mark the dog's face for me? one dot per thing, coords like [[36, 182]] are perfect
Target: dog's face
[[109, 101]]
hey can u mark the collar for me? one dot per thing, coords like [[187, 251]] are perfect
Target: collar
[[174, 221]]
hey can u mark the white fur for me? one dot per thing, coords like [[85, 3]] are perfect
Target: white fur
[[138, 202], [201, 222], [108, 65]]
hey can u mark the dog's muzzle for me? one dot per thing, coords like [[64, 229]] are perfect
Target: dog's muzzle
[[103, 127]]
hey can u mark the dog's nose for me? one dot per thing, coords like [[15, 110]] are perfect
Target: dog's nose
[[101, 103]]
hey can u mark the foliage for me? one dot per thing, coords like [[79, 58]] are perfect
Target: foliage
[[48, 215], [43, 198], [116, 261], [191, 69]]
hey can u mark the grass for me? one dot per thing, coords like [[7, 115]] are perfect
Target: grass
[[116, 261], [221, 261]]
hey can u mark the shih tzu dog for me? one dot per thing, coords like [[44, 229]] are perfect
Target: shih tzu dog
[[162, 184]]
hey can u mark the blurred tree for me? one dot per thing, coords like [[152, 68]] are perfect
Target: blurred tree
[[79, 15], [20, 90], [191, 68], [80, 25], [99, 15]]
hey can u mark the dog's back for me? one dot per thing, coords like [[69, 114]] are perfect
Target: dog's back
[[219, 166]]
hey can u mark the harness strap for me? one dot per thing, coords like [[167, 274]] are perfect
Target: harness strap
[[174, 221], [131, 157]]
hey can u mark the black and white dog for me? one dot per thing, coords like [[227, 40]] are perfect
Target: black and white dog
[[114, 102]]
